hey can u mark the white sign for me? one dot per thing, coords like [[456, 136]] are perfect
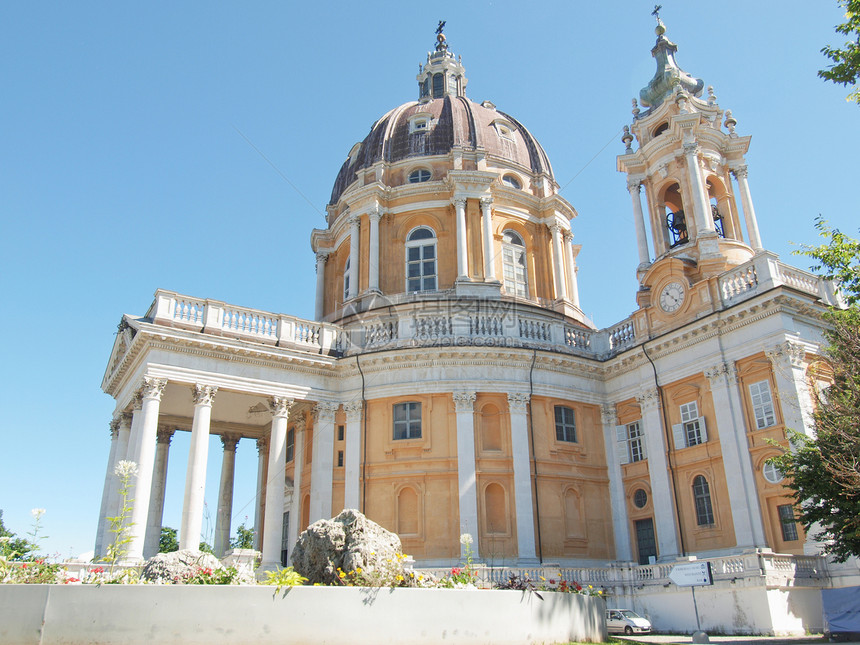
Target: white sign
[[692, 574]]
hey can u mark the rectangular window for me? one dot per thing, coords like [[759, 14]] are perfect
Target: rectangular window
[[636, 449], [291, 444], [692, 427], [340, 433], [762, 403], [787, 522], [407, 420], [285, 540], [340, 458], [565, 424]]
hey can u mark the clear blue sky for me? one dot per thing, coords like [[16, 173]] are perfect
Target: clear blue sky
[[123, 170]]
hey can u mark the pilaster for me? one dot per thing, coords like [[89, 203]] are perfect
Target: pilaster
[[620, 521], [352, 455], [464, 405], [323, 460], [518, 407]]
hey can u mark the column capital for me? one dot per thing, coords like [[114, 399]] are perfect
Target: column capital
[[634, 184], [464, 401], [114, 428], [230, 441], [486, 202], [554, 227], [324, 411], [608, 414], [787, 354], [300, 424], [721, 375], [691, 148], [322, 255], [353, 411], [517, 401], [280, 406], [164, 434], [262, 445], [152, 387], [740, 172], [354, 220], [459, 202], [648, 399], [204, 394], [375, 214], [567, 235]]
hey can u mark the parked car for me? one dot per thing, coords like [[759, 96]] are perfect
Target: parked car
[[626, 621]]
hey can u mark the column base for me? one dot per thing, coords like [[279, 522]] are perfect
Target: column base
[[482, 290]]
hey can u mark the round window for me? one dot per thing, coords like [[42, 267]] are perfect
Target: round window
[[640, 498], [772, 473], [513, 182]]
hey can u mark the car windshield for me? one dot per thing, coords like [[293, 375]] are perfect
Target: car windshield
[[630, 614]]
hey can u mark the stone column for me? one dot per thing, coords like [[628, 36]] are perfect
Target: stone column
[[634, 187], [373, 261], [323, 461], [259, 508], [275, 483], [354, 241], [663, 500], [352, 455], [106, 490], [620, 521], [517, 404], [319, 306], [740, 174], [462, 258], [558, 262], [489, 255], [151, 393], [704, 219], [134, 430], [195, 474], [159, 486], [571, 259], [743, 496], [464, 404], [122, 450], [299, 460], [795, 401], [225, 494]]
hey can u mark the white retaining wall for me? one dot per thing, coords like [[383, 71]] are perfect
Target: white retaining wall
[[236, 615]]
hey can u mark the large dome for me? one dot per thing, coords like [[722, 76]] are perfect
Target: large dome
[[453, 122]]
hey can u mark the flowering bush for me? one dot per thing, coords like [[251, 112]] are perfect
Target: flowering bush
[[210, 576], [393, 572]]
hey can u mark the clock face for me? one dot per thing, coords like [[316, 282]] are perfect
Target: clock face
[[672, 297]]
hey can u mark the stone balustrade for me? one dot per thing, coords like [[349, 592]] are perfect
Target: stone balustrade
[[765, 272]]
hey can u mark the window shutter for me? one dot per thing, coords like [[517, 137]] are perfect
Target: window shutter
[[703, 429], [621, 433], [642, 447], [621, 452], [678, 436]]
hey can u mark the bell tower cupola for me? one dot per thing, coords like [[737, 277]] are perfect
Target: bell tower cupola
[[443, 74], [682, 153]]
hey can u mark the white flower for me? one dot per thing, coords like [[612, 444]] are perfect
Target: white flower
[[125, 469], [466, 538], [37, 513]]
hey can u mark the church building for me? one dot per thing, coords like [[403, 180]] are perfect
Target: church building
[[450, 382]]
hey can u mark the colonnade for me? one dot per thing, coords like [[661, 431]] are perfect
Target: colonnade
[[563, 254], [702, 218]]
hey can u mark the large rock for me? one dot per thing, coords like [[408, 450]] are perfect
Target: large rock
[[350, 541], [178, 566]]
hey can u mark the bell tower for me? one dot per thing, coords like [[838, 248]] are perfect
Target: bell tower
[[689, 229]]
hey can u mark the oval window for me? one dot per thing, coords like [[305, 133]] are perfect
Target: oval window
[[513, 182], [772, 473], [419, 176], [640, 498]]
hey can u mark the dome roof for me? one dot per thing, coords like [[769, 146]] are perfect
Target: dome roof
[[442, 120]]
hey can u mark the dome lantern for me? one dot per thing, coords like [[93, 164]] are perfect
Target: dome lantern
[[443, 74], [668, 74]]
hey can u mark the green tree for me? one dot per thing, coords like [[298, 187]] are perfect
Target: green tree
[[824, 473], [206, 548], [168, 542], [11, 546], [845, 69], [244, 538]]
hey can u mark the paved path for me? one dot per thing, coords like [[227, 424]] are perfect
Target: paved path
[[682, 639]]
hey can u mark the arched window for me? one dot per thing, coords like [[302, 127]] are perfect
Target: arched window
[[421, 260], [676, 222], [346, 280], [422, 174], [717, 216], [702, 498], [438, 86], [514, 265]]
